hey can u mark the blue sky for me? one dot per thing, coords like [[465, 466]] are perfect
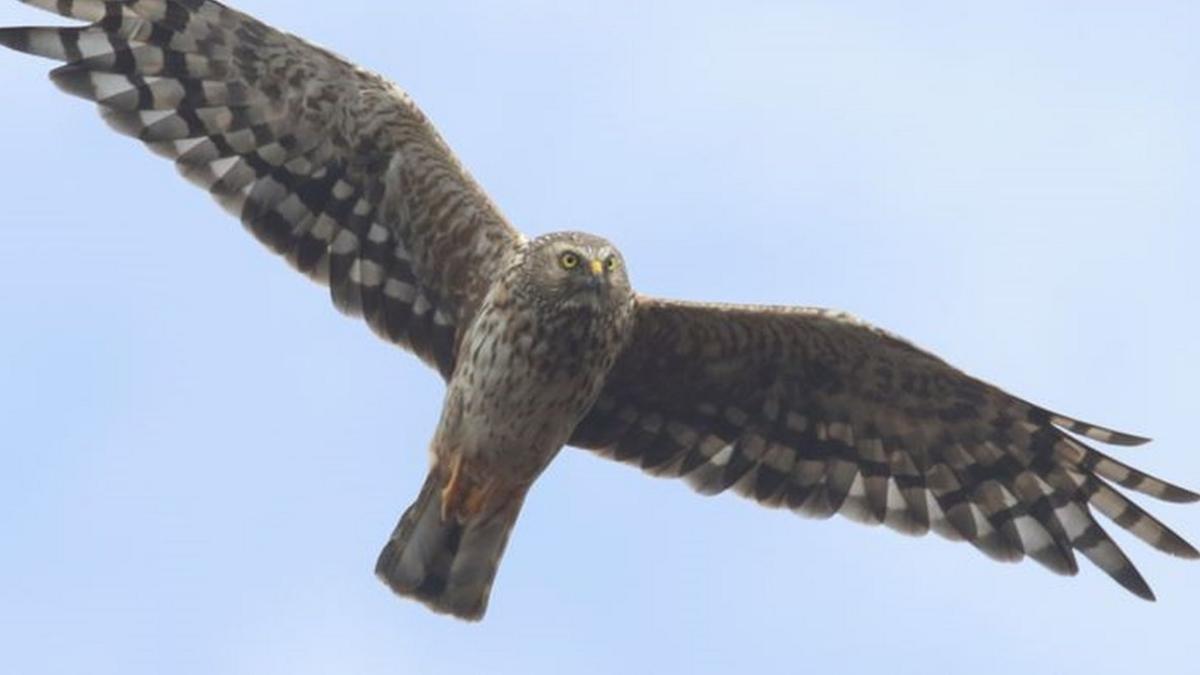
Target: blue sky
[[202, 458]]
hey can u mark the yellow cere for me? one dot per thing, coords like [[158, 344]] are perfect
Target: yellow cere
[[597, 267]]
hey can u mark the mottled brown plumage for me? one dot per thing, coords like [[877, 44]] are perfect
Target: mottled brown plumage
[[543, 343], [531, 363]]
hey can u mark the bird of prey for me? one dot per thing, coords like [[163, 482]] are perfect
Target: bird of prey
[[543, 343]]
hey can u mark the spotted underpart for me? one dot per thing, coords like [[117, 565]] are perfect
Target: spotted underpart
[[331, 167], [814, 411]]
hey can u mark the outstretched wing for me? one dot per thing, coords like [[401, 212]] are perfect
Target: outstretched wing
[[818, 412], [330, 166]]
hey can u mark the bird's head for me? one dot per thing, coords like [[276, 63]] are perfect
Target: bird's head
[[575, 268]]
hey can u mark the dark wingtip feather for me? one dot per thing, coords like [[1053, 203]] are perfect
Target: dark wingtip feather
[[1095, 431], [15, 38], [1177, 495], [127, 122], [1058, 559], [74, 80], [1182, 547], [1129, 440], [1132, 580]]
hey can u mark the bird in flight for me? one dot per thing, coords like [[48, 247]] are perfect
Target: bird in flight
[[543, 343]]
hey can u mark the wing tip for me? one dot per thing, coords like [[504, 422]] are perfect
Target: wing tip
[[74, 80], [1182, 548], [1057, 558], [1128, 440], [1096, 432], [1176, 495], [1128, 576], [16, 38], [1138, 586]]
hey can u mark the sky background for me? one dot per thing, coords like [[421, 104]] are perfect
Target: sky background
[[201, 458]]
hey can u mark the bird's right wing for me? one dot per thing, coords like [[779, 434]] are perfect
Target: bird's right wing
[[330, 166], [818, 412]]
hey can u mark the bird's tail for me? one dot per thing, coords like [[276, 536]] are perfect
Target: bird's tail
[[447, 564]]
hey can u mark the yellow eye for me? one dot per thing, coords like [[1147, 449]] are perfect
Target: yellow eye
[[611, 263], [568, 260]]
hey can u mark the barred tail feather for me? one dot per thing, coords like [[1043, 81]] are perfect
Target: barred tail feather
[[446, 564]]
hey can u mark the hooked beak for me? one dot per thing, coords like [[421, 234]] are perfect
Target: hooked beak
[[596, 281]]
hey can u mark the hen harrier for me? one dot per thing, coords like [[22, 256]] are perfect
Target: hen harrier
[[543, 343]]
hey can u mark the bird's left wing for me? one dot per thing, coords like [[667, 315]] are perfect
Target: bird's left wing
[[818, 412], [330, 166]]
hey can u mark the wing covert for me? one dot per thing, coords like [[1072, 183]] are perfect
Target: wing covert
[[330, 166], [815, 411]]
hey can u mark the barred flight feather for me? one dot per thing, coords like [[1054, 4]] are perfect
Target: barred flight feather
[[838, 417], [329, 166]]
